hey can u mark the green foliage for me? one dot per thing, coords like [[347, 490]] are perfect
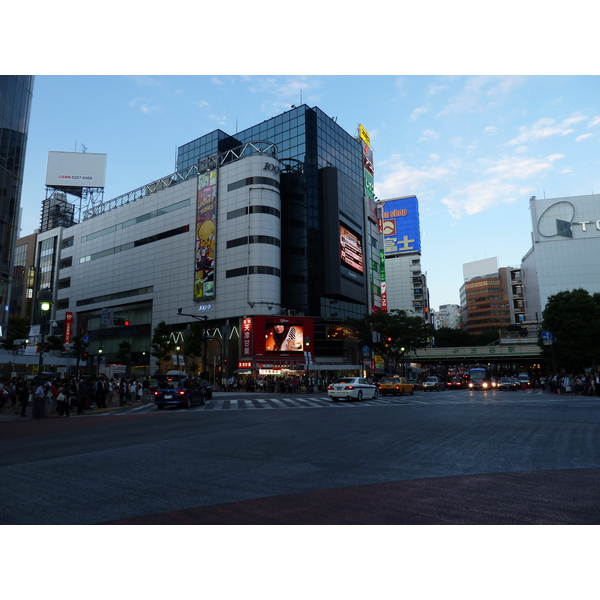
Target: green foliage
[[573, 318], [124, 353], [18, 329], [161, 344], [398, 333], [195, 340]]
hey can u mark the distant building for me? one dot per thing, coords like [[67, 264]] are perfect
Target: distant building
[[406, 284], [448, 315], [566, 250], [484, 298]]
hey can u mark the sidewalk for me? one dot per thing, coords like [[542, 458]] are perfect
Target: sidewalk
[[14, 414]]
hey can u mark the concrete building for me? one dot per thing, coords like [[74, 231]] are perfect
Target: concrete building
[[566, 250], [247, 236]]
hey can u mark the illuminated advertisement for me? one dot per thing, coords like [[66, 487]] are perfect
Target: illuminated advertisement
[[206, 212], [351, 250], [284, 337], [279, 339], [401, 231], [246, 337]]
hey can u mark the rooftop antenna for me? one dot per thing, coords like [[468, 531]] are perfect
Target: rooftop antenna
[[83, 148]]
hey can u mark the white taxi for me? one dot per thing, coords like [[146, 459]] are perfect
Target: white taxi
[[351, 387]]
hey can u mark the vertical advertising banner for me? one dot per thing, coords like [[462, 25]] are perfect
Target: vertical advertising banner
[[206, 215], [247, 337], [68, 328], [401, 230], [384, 305]]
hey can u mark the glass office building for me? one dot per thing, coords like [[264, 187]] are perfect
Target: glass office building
[[323, 205], [15, 102]]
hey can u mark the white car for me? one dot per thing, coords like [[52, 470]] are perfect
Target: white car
[[351, 387]]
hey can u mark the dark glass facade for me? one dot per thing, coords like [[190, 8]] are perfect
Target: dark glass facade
[[321, 188], [15, 102]]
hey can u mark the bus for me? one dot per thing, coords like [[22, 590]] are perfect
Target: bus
[[480, 379]]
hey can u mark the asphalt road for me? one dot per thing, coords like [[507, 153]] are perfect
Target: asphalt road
[[455, 457]]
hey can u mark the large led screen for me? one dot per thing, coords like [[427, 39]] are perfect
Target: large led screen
[[284, 337], [351, 252]]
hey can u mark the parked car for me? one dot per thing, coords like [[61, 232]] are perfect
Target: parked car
[[507, 383], [351, 387], [396, 386], [433, 383]]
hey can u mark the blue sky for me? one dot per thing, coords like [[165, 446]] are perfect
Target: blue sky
[[473, 149]]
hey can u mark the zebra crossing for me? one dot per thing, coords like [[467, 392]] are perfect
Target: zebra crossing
[[221, 402]]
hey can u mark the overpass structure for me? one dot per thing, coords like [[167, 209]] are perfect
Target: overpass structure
[[526, 353]]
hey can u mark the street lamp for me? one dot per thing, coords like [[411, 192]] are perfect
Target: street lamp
[[45, 300]]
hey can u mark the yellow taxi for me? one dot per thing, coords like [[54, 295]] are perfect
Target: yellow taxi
[[395, 385]]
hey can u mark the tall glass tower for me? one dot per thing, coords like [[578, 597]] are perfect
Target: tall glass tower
[[15, 102], [322, 193]]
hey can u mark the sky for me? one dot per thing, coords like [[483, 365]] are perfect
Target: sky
[[473, 149]]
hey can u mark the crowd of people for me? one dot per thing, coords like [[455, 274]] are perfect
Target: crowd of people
[[62, 396]]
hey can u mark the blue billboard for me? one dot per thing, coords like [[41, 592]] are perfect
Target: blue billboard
[[401, 231]]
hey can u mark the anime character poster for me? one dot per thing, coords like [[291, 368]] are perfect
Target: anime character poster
[[206, 212]]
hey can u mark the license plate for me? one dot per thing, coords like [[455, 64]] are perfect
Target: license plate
[[168, 397]]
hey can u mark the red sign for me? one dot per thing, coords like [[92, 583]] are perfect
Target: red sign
[[244, 364], [68, 328], [247, 337]]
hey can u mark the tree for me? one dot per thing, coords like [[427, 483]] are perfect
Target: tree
[[396, 334], [573, 319], [124, 353], [161, 343], [18, 329], [195, 340]]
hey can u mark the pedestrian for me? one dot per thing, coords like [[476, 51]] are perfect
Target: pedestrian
[[62, 403], [39, 399], [23, 393], [111, 391], [82, 393]]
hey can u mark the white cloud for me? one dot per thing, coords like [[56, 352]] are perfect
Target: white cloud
[[584, 136], [145, 105], [544, 128], [402, 179], [491, 130], [518, 168], [200, 103], [595, 121], [429, 135], [553, 157], [481, 196], [421, 110]]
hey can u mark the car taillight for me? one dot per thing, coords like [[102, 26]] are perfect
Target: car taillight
[[350, 387], [181, 392]]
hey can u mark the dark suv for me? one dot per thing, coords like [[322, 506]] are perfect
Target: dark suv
[[180, 390]]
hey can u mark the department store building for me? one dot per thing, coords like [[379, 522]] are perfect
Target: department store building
[[275, 226]]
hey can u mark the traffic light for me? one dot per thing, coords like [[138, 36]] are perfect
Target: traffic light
[[121, 322]]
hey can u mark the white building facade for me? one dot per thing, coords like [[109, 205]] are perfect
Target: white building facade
[[566, 250]]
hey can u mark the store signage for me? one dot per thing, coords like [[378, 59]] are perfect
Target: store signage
[[68, 327], [271, 167], [364, 136], [559, 219], [247, 337]]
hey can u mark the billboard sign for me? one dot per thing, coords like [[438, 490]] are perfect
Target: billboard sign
[[282, 337], [351, 253], [76, 169], [206, 214], [401, 230]]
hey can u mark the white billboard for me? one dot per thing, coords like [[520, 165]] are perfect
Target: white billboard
[[76, 169]]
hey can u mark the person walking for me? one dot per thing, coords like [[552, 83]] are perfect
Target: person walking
[[82, 396], [62, 403], [39, 399], [23, 393]]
